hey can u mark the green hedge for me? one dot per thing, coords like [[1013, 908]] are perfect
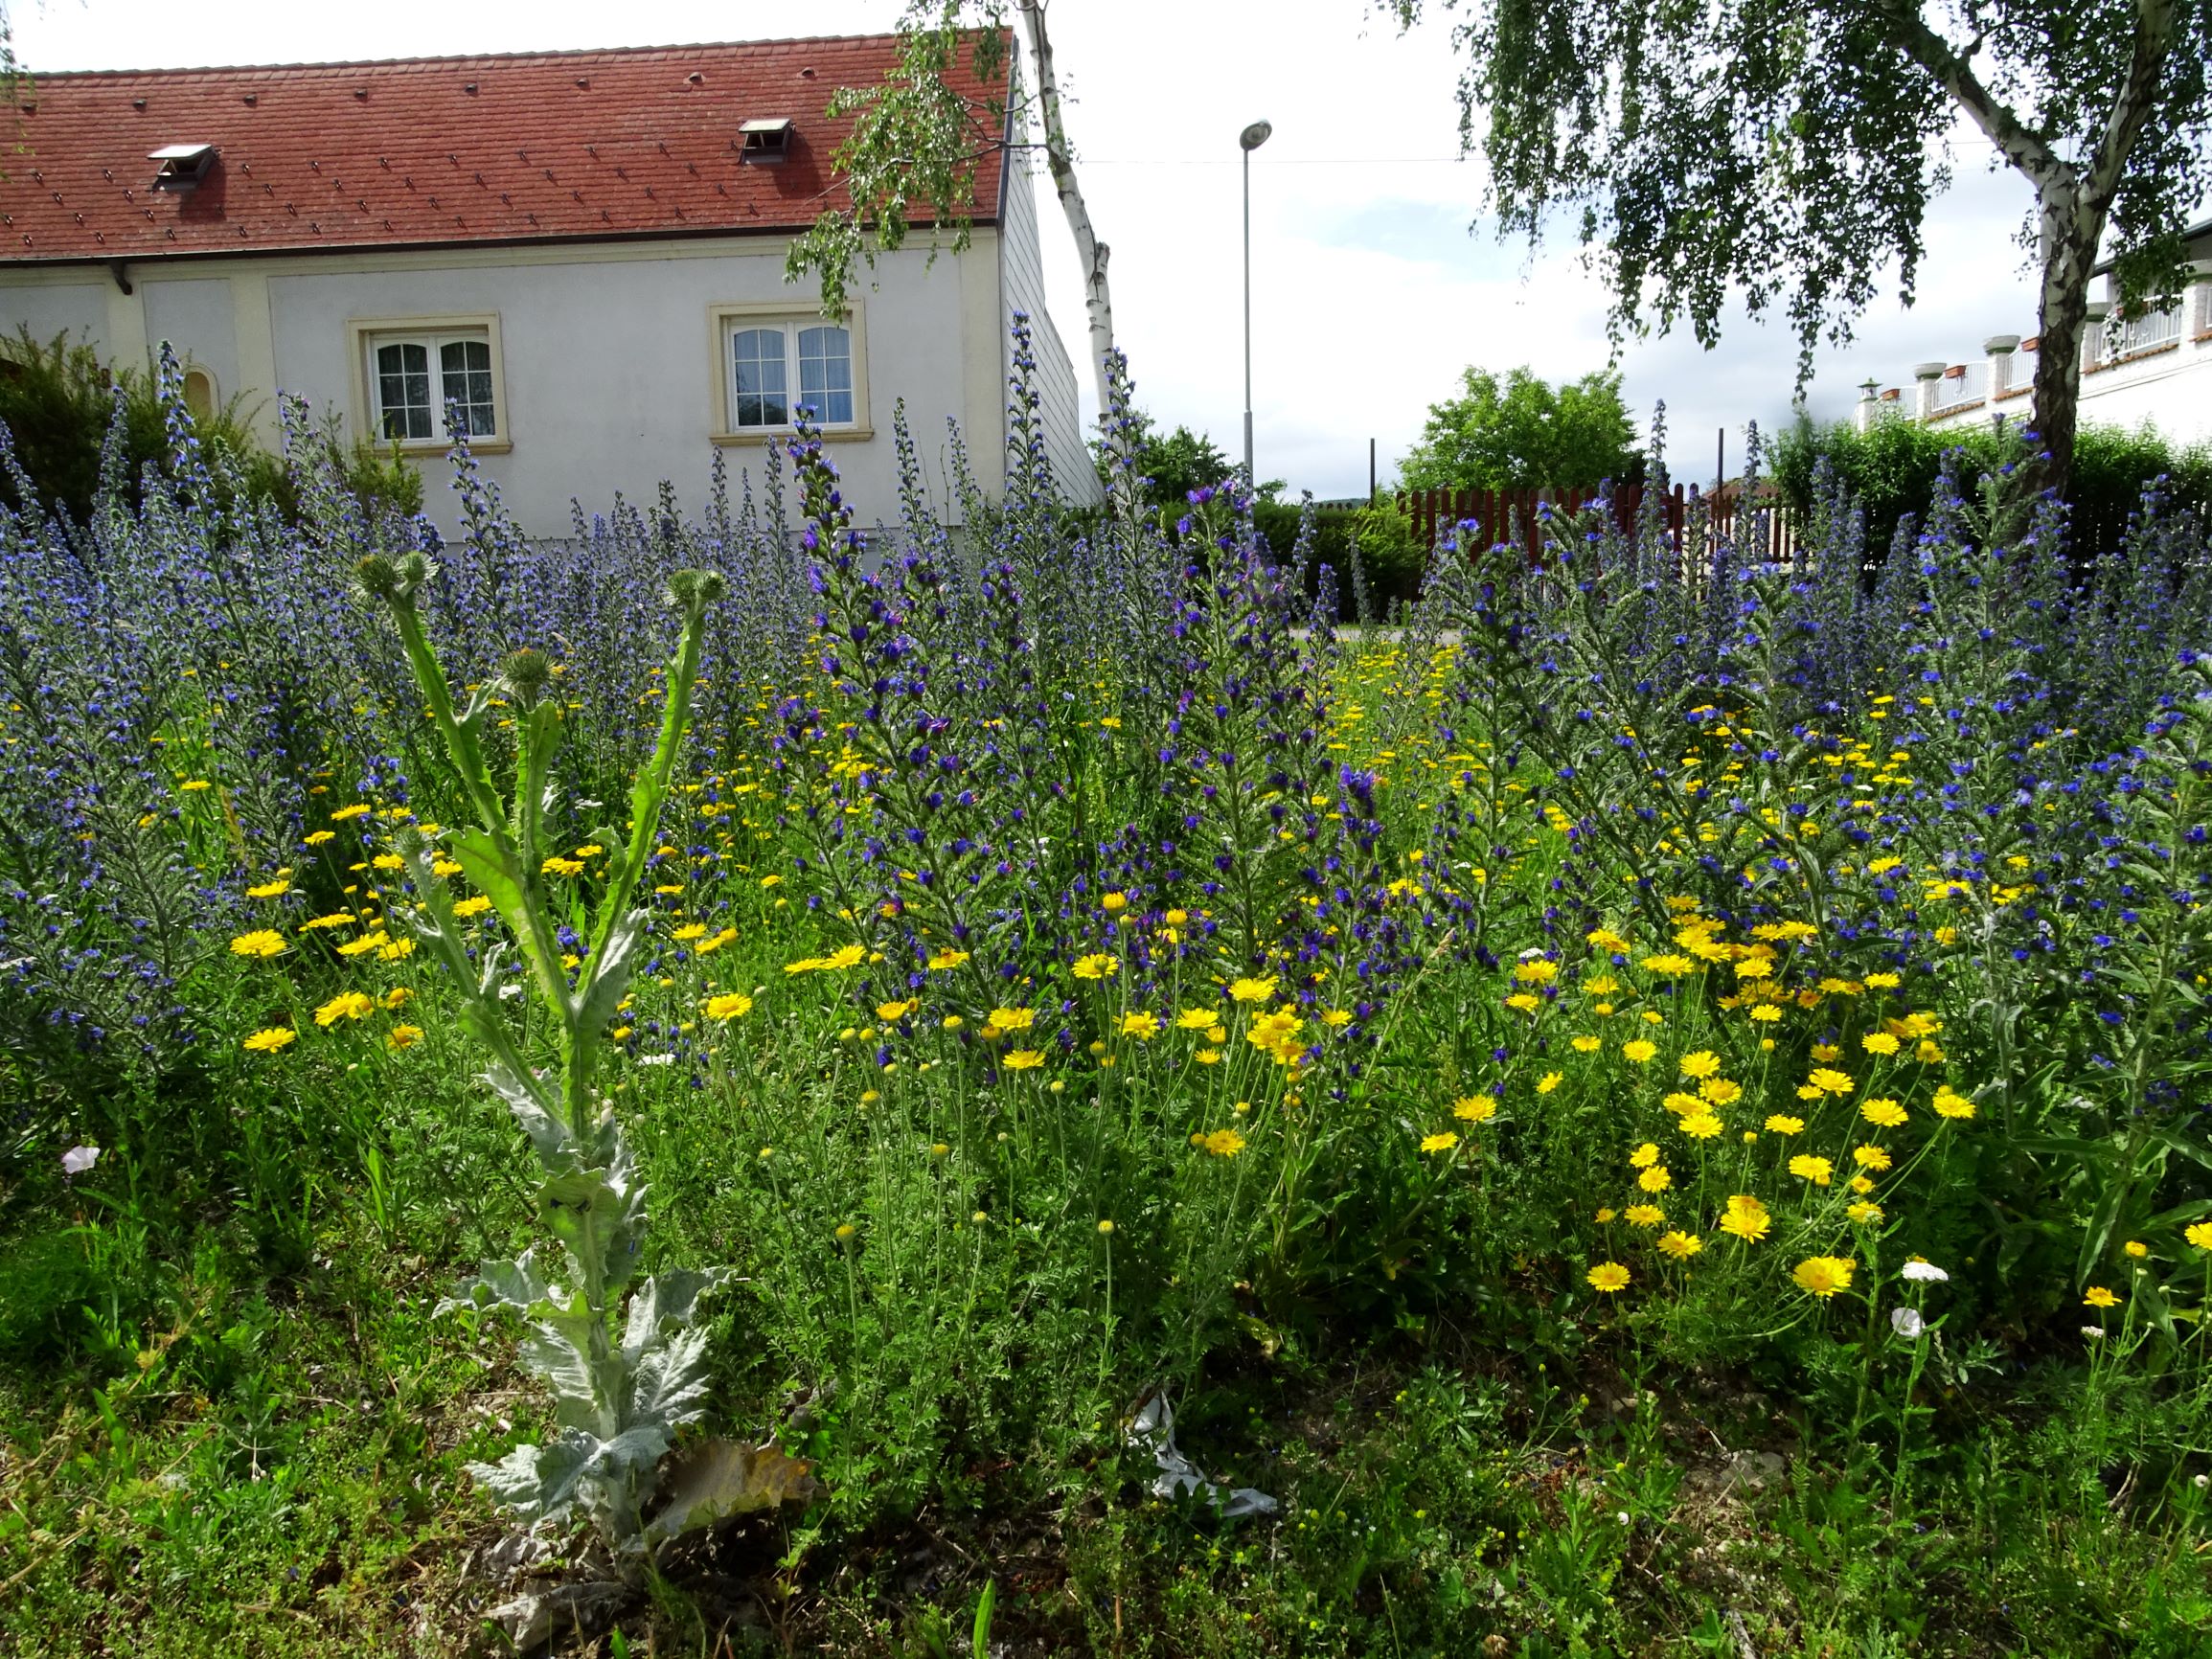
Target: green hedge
[[1392, 554], [1892, 470]]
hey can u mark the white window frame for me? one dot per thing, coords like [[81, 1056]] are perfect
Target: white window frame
[[367, 333], [725, 322]]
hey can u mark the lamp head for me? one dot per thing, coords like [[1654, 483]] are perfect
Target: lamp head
[[1255, 135]]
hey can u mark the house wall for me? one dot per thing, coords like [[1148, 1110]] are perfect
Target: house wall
[[2129, 380], [610, 362], [1022, 280], [2172, 388], [65, 306]]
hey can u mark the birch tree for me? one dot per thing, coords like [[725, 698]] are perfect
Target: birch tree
[[921, 140], [1787, 152]]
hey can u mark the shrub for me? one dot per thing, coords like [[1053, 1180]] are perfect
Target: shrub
[[60, 404], [1892, 470]]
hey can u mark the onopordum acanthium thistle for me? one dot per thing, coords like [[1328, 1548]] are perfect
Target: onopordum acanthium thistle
[[619, 1397]]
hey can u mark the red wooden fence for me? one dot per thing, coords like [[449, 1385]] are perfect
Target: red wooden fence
[[1498, 512]]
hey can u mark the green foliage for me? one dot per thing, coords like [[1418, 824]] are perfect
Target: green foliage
[[1783, 153], [1524, 433], [1175, 465], [374, 475], [1359, 1071], [913, 155], [58, 401], [1891, 471], [1372, 550]]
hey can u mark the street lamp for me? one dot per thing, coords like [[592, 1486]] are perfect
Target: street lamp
[[1250, 139]]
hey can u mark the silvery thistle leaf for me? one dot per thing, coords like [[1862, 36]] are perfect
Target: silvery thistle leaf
[[670, 1384], [666, 1299], [558, 1350], [514, 1283], [538, 1483], [610, 974], [549, 1136]]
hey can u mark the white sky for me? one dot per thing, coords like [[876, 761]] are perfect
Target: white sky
[[1369, 293]]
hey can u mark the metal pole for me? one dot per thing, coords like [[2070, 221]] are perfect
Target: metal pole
[[1371, 472], [1250, 478]]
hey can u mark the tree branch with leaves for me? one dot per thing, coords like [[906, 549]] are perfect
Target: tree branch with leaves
[[920, 141], [1785, 152]]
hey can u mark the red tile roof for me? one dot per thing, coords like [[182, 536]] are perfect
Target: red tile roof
[[554, 145]]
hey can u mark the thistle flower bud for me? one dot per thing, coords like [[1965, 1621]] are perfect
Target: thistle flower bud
[[378, 578], [527, 672], [701, 588], [394, 582]]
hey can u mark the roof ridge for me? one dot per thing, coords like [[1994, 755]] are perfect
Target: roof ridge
[[453, 59]]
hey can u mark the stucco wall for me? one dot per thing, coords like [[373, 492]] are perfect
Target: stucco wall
[[196, 315], [77, 306], [2172, 392], [609, 360]]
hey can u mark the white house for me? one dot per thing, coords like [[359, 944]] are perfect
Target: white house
[[2156, 368], [582, 250]]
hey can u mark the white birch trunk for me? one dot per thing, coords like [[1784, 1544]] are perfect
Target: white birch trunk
[[1091, 254]]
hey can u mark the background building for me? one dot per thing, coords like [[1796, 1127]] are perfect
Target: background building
[[2156, 367], [583, 250]]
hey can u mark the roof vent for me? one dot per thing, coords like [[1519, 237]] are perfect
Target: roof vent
[[766, 140], [181, 167]]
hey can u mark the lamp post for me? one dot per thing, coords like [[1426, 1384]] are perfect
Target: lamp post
[[1250, 139]]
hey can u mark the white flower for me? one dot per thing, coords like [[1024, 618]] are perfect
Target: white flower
[[1905, 1322], [2094, 1332], [656, 1059], [1924, 1273], [79, 1159]]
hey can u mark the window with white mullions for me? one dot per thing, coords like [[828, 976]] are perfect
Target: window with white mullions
[[762, 385], [826, 374], [403, 389], [466, 367], [415, 378], [778, 372]]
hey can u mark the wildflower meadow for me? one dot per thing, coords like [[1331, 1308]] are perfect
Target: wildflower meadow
[[940, 1076]]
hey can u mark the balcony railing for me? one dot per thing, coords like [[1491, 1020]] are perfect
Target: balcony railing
[[1965, 384], [2128, 337]]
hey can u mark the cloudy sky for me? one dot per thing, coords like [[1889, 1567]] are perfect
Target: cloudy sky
[[1370, 293]]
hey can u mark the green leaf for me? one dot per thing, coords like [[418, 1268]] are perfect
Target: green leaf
[[2174, 1142], [557, 1351], [979, 1640], [610, 971], [517, 1285], [670, 1384], [488, 866], [667, 1300], [538, 1483]]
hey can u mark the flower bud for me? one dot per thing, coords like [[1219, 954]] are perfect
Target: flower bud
[[700, 588], [394, 582], [527, 672]]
